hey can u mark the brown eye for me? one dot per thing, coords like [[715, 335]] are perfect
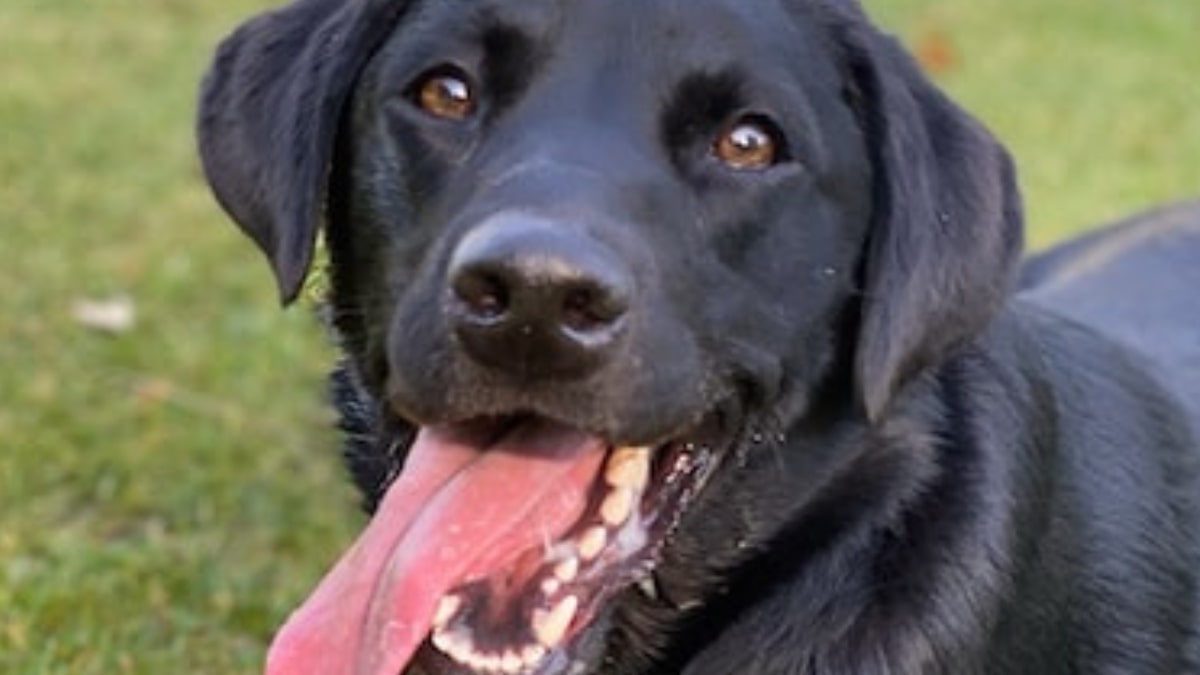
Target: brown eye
[[446, 95], [749, 144]]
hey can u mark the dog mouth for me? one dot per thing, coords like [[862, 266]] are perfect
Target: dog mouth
[[521, 611], [499, 543]]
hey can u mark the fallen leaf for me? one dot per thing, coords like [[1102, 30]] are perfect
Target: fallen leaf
[[113, 315], [936, 51]]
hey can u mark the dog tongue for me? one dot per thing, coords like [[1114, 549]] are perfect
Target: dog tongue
[[458, 512]]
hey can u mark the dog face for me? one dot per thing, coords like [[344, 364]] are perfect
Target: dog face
[[544, 218], [599, 263]]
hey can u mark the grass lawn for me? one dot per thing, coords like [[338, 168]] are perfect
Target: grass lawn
[[168, 493]]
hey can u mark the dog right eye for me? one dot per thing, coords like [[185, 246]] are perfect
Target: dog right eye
[[445, 93], [750, 143]]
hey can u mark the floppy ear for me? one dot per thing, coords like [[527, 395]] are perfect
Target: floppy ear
[[269, 111], [947, 230]]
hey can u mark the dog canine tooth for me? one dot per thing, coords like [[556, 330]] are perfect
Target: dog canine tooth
[[454, 644], [617, 506], [551, 586], [628, 468], [442, 641], [446, 609], [592, 542], [567, 570], [549, 627], [648, 587]]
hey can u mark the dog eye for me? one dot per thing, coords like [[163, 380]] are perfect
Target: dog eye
[[445, 93], [750, 143]]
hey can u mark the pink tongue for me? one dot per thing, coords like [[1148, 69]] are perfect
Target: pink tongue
[[455, 514]]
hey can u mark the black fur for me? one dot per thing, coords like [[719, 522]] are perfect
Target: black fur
[[1136, 281], [920, 474]]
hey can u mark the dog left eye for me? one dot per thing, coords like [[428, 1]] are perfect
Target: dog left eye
[[750, 143], [445, 93]]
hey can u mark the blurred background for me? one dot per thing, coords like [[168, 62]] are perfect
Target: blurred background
[[169, 483]]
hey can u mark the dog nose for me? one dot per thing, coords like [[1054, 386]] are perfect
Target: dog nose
[[534, 299]]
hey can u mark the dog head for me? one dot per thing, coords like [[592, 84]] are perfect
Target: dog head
[[592, 255]]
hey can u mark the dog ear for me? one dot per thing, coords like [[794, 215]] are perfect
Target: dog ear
[[947, 232], [270, 107]]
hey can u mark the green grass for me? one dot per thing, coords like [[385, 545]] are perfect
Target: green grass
[[167, 494], [1097, 99]]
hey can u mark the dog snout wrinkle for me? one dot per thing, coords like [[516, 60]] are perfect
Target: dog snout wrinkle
[[534, 299]]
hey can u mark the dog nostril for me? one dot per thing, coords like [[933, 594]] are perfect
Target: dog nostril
[[485, 296], [588, 309]]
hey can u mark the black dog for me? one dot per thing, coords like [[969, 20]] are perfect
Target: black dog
[[680, 340], [1137, 282]]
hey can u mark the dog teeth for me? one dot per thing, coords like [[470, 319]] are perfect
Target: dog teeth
[[511, 662], [567, 570], [628, 468], [443, 642], [477, 661], [456, 645], [648, 587], [532, 655], [549, 627], [626, 474], [446, 609], [617, 506], [460, 647], [592, 542]]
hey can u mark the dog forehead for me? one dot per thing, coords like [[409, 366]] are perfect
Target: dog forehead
[[704, 34]]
